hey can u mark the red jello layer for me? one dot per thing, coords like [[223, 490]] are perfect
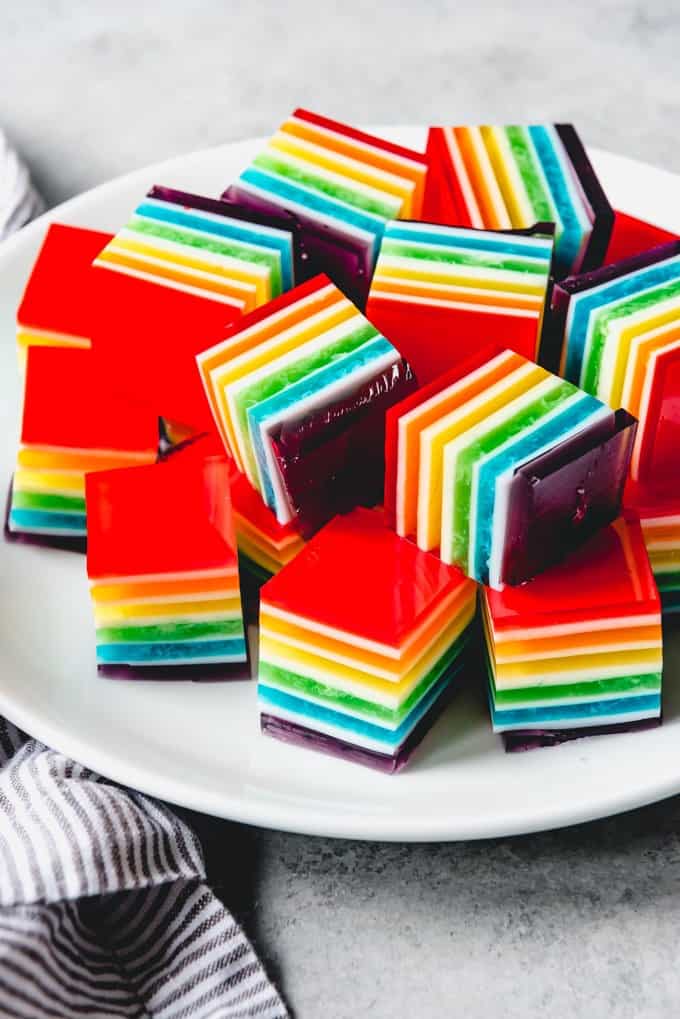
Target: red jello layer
[[630, 236], [170, 517], [148, 338], [356, 575], [58, 296], [435, 339], [68, 402], [606, 579]]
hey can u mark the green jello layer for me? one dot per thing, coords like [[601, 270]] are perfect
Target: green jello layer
[[475, 259], [303, 686], [342, 193], [649, 682], [592, 362], [527, 164], [171, 631], [668, 581], [22, 499], [240, 250], [486, 443]]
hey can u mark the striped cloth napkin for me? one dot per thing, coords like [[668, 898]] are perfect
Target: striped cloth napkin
[[19, 201], [104, 909]]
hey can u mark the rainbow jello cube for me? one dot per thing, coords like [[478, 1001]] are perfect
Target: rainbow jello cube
[[361, 670], [72, 423], [163, 570], [619, 332], [343, 185], [440, 292], [57, 307], [503, 468], [299, 391], [504, 177], [171, 280], [577, 650]]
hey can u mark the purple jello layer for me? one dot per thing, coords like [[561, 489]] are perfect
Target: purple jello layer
[[534, 739], [604, 214], [334, 459], [66, 543], [218, 673], [301, 736], [276, 218], [347, 260], [561, 498]]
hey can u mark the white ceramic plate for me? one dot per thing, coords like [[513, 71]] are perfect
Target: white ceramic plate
[[200, 746]]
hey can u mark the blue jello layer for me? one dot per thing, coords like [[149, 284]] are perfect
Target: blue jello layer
[[472, 240], [240, 230], [568, 245], [282, 190], [648, 705], [309, 712], [138, 653], [42, 521]]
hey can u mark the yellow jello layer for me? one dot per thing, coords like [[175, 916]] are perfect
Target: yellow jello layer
[[180, 271], [61, 458], [446, 609], [340, 164], [27, 337], [635, 638], [347, 654], [351, 680], [285, 549], [272, 564], [223, 585], [115, 612], [59, 482], [665, 560], [578, 667]]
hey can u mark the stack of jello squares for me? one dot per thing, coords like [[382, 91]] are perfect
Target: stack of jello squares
[[516, 476], [444, 459]]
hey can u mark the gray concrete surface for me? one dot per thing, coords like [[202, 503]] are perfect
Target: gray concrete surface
[[578, 924]]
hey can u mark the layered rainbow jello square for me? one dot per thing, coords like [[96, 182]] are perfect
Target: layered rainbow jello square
[[619, 334], [342, 185], [299, 391], [362, 669], [502, 467], [504, 177], [441, 292], [163, 570], [577, 650], [171, 281]]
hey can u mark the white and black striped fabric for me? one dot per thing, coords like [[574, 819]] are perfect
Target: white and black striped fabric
[[19, 201], [104, 910]]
